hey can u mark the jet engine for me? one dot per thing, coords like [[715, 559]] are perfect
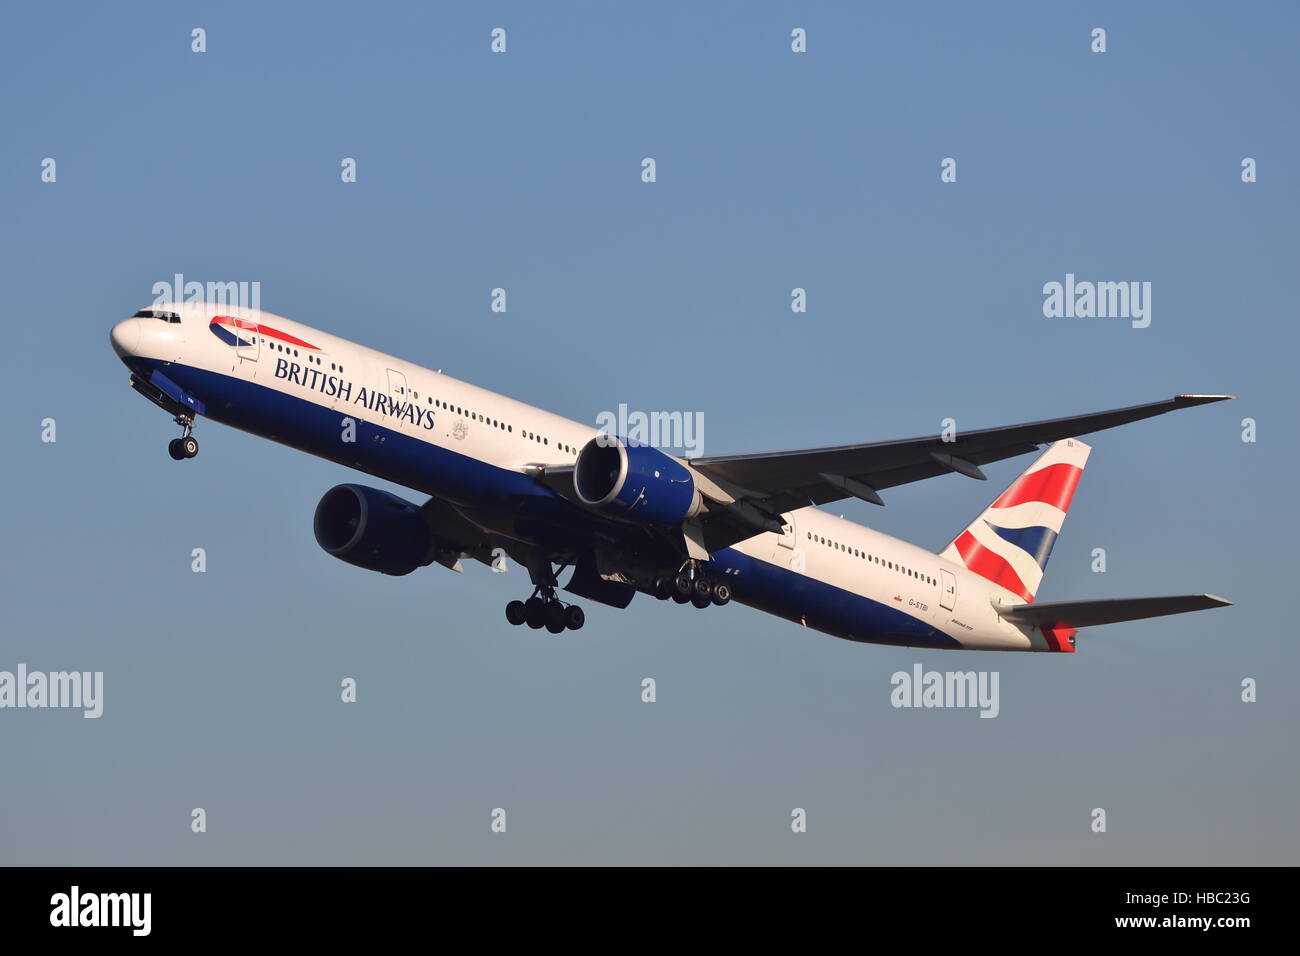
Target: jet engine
[[372, 529], [634, 482]]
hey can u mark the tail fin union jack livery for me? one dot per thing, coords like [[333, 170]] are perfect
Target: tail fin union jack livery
[[1011, 541]]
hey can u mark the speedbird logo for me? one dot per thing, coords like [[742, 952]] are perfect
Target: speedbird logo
[[241, 333]]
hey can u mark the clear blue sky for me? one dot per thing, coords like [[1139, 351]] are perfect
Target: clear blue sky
[[775, 170]]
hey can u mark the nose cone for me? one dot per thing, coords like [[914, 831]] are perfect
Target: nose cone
[[125, 337]]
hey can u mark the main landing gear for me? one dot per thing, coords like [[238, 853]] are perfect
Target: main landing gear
[[544, 609], [187, 446], [691, 586]]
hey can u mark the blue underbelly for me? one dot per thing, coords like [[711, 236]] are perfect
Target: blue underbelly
[[821, 606]]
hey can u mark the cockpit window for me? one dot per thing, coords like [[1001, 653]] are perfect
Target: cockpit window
[[171, 317]]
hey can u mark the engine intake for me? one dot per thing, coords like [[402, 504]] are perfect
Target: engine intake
[[372, 529], [635, 482]]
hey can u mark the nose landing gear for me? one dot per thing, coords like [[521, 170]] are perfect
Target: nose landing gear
[[187, 446], [544, 609]]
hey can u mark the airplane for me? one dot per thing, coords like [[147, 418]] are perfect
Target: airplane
[[508, 479]]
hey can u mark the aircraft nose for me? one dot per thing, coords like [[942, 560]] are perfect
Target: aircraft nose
[[125, 337]]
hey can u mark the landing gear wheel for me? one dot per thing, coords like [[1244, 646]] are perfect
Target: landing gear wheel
[[683, 587], [681, 598], [535, 612], [703, 591], [554, 627], [574, 617], [721, 593], [515, 613], [702, 602], [663, 588], [555, 617], [187, 446]]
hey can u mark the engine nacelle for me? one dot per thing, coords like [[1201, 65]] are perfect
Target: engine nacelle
[[635, 482], [373, 530]]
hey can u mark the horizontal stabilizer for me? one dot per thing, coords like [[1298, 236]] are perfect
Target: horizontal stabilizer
[[1110, 611]]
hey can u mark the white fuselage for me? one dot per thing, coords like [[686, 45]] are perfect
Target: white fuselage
[[837, 560]]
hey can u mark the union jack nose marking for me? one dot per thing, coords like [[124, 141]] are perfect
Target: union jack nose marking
[[228, 329]]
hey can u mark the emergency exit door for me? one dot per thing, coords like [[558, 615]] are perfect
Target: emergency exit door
[[947, 590]]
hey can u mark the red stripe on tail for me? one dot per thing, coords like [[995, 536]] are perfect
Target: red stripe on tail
[[1053, 485], [990, 565]]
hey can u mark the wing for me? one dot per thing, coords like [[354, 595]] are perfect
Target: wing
[[1088, 613], [780, 481], [456, 537], [747, 494]]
